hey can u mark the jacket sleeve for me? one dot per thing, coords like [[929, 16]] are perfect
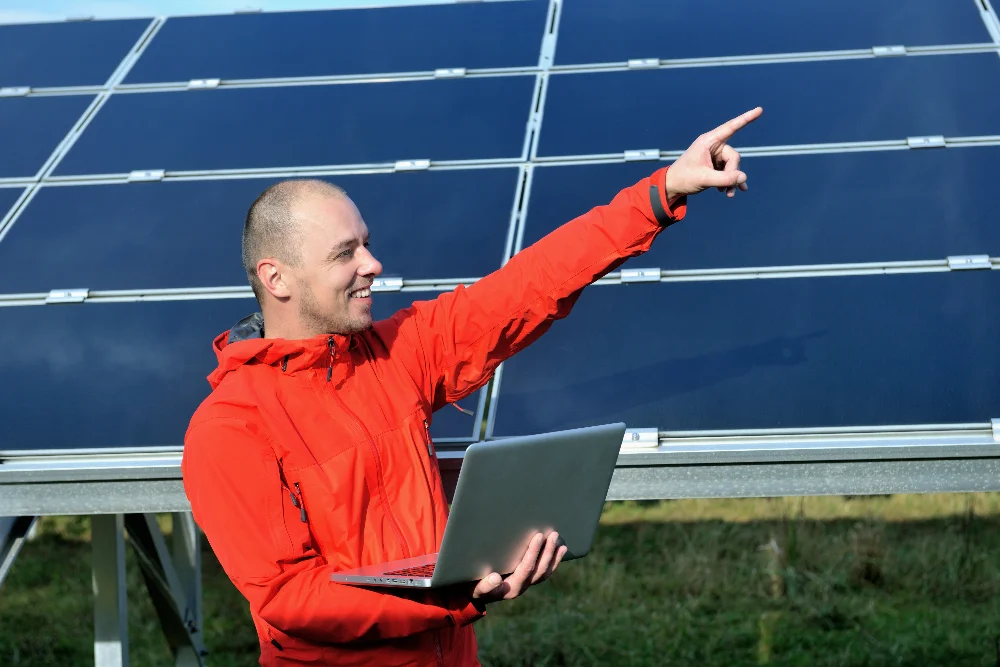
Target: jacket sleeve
[[232, 480], [452, 344]]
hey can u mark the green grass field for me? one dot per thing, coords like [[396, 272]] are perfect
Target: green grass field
[[901, 580]]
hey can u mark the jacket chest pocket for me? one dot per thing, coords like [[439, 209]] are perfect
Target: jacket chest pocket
[[333, 499]]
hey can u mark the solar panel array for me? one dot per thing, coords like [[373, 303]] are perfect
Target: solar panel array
[[822, 298]]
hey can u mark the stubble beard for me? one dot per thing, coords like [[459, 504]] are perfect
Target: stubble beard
[[320, 322]]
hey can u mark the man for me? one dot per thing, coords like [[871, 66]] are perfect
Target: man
[[312, 454]]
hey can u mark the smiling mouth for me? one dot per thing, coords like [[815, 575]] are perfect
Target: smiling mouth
[[362, 293]]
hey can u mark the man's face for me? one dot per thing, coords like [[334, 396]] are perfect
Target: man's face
[[332, 281]]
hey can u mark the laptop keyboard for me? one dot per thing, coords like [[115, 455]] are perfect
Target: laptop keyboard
[[420, 571]]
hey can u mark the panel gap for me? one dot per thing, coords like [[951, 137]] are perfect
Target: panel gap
[[524, 188], [538, 96], [555, 8]]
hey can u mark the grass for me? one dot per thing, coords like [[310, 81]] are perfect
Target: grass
[[824, 581]]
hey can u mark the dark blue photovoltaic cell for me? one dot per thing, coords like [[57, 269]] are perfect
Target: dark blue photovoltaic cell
[[433, 224], [65, 54], [360, 41], [794, 352], [7, 198], [592, 31], [119, 375], [448, 422], [455, 119], [804, 102], [803, 209], [32, 127]]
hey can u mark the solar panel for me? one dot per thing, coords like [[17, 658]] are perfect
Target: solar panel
[[325, 43], [814, 352], [515, 149], [32, 127], [805, 102], [186, 234], [599, 31], [41, 55], [108, 375], [246, 128], [126, 375], [829, 208]]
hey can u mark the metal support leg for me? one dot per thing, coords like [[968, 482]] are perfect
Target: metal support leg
[[13, 532], [177, 609], [110, 606], [186, 547]]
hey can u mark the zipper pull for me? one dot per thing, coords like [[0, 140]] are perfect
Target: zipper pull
[[333, 351], [298, 503], [430, 446]]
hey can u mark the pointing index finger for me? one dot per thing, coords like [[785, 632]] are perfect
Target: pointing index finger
[[729, 128]]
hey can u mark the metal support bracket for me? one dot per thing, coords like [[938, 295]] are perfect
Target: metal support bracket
[[643, 63], [642, 154], [412, 165], [176, 609], [641, 275], [387, 284], [13, 532], [882, 51], [146, 175], [934, 141], [969, 262], [203, 84], [449, 72], [14, 91], [71, 295], [641, 438]]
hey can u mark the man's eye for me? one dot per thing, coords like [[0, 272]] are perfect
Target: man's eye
[[345, 254]]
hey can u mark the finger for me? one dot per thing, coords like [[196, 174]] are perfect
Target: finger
[[560, 553], [523, 571], [709, 178], [722, 133], [487, 585], [730, 161], [547, 557]]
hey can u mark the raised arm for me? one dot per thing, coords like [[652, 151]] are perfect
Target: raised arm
[[458, 339], [246, 513]]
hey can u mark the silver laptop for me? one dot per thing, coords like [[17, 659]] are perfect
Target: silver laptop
[[508, 490]]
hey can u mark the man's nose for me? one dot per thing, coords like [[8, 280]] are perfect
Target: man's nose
[[369, 265]]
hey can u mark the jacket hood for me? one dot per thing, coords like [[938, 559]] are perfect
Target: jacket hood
[[244, 344]]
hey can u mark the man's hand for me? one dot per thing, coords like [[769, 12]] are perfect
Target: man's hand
[[536, 566], [710, 162]]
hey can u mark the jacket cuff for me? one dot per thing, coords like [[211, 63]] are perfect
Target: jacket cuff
[[469, 613], [664, 212]]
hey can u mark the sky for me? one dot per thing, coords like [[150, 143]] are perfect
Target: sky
[[26, 11]]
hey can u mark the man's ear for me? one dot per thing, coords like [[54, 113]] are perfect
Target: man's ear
[[272, 276]]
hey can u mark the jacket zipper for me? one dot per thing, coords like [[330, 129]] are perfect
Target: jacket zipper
[[430, 444], [298, 502], [374, 450], [437, 648]]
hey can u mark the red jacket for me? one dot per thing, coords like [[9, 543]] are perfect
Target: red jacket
[[312, 456]]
